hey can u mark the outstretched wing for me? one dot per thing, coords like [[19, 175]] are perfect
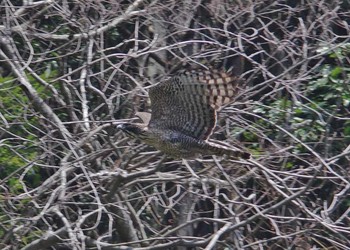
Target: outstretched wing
[[188, 101]]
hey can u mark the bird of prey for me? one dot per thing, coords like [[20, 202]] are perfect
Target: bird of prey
[[184, 114]]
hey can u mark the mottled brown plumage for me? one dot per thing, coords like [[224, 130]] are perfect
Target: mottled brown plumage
[[184, 114]]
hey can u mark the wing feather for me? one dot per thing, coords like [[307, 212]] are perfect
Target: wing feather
[[188, 101]]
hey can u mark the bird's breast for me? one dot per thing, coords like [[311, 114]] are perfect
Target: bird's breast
[[174, 144]]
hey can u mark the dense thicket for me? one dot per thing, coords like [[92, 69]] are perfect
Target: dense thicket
[[71, 70]]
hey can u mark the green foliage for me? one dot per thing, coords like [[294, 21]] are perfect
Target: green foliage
[[18, 144], [309, 117], [33, 235], [325, 96], [3, 217], [330, 90], [347, 128]]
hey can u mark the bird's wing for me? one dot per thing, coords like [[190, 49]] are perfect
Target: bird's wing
[[188, 101]]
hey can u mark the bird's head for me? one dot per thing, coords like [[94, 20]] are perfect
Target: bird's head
[[134, 130]]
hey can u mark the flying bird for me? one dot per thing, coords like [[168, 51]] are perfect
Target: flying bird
[[184, 114]]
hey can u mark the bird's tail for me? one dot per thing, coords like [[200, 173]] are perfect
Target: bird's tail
[[219, 149]]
